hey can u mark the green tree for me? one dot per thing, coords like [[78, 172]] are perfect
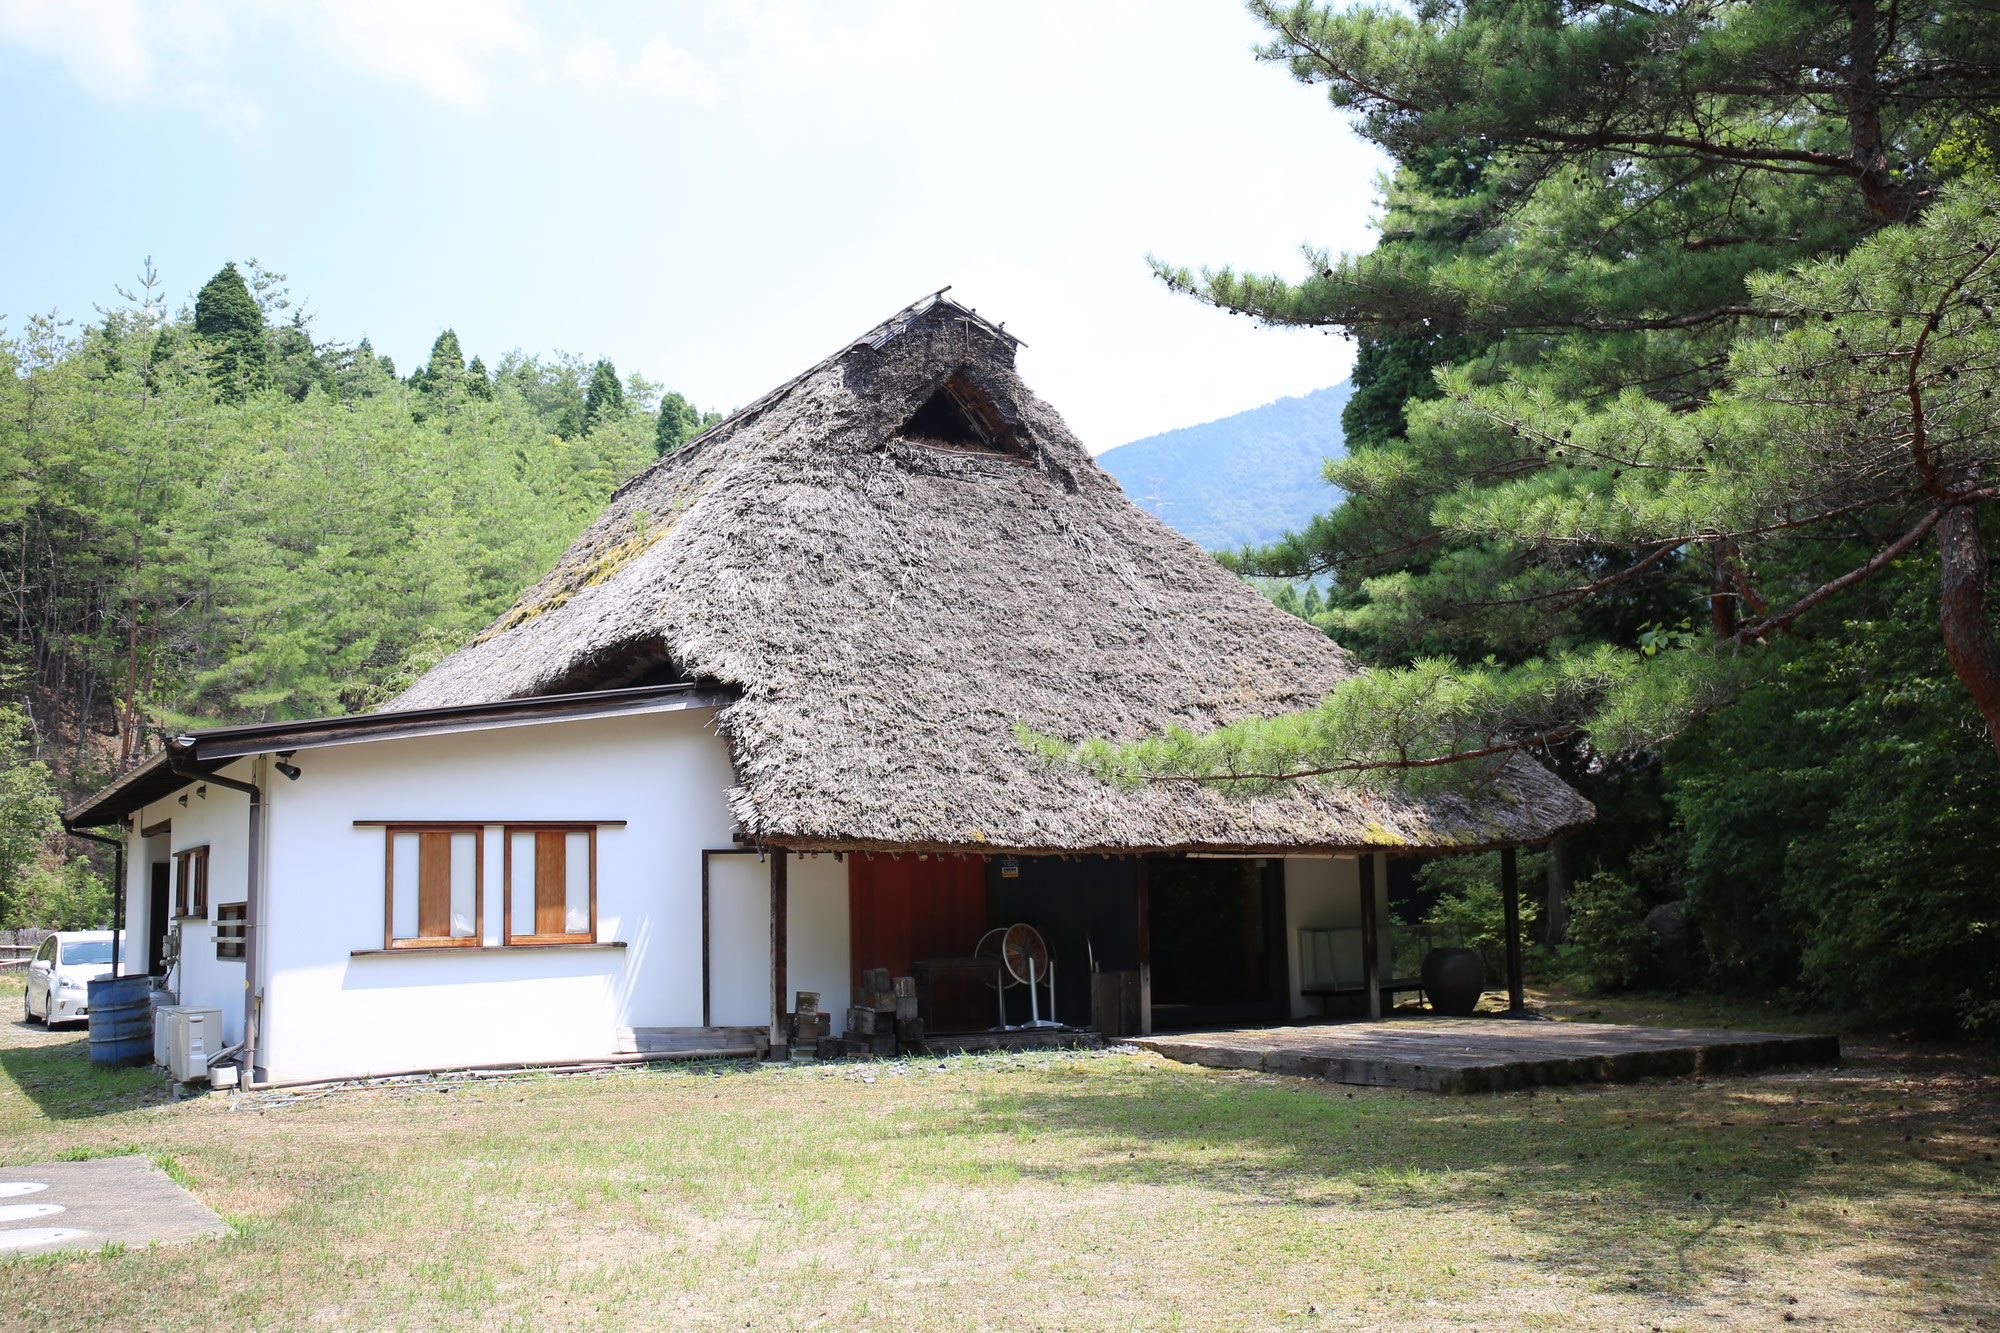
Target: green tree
[[1839, 818], [605, 398], [41, 884], [678, 423], [180, 554], [1585, 196], [552, 389], [477, 382], [358, 372], [445, 368], [230, 324]]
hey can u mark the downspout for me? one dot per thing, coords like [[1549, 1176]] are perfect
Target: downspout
[[118, 899], [178, 751]]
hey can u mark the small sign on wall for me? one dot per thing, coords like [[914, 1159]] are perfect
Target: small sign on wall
[[1010, 868]]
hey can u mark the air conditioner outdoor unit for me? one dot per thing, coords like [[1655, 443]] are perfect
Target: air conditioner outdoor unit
[[184, 1037]]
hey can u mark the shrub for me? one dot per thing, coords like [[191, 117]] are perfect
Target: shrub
[[1468, 897], [1610, 946]]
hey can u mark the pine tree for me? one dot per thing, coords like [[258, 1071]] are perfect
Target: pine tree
[[477, 382], [229, 322], [1584, 200], [605, 396]]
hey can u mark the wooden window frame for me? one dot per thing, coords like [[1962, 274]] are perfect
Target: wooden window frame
[[507, 832], [478, 935], [191, 883], [231, 924]]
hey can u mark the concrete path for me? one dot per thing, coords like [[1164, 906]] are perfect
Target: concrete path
[[83, 1205], [1489, 1054]]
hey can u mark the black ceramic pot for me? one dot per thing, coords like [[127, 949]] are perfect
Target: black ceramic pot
[[1454, 979]]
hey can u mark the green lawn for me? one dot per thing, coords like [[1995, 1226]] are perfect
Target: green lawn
[[1107, 1192]]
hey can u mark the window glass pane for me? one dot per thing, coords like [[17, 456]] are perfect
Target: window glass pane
[[576, 885], [404, 892], [522, 886], [464, 882]]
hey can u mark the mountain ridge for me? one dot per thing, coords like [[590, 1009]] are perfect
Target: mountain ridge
[[1243, 479]]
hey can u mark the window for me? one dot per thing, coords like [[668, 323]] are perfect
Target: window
[[229, 926], [47, 953], [433, 885], [551, 879], [191, 883]]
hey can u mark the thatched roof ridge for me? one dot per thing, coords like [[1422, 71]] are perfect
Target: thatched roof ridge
[[891, 608]]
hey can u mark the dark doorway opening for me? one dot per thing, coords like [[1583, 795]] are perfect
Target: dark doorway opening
[[157, 923], [1217, 931], [1085, 911]]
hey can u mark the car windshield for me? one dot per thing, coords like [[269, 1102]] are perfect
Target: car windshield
[[78, 952]]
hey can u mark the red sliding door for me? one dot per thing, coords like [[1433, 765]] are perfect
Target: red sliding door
[[902, 909]]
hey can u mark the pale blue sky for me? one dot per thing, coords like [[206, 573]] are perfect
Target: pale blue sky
[[716, 195]]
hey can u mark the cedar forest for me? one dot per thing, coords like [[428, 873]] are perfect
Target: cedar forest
[[1671, 460], [214, 516]]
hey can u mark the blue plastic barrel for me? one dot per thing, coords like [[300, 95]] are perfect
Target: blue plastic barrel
[[121, 1022]]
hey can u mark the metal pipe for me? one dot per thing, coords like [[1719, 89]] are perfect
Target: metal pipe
[[118, 893], [253, 913]]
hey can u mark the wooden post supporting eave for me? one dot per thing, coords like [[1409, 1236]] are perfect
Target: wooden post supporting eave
[[780, 894], [1371, 962], [1510, 898]]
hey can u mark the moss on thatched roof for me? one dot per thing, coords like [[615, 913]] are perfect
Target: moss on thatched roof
[[891, 607]]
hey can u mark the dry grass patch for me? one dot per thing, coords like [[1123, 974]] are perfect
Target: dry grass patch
[[1038, 1192]]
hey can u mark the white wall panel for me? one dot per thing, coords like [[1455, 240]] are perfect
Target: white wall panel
[[816, 956], [739, 941]]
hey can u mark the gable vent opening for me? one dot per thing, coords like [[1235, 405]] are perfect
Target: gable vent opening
[[961, 416]]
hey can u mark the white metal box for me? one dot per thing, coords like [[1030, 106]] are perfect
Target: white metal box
[[184, 1037]]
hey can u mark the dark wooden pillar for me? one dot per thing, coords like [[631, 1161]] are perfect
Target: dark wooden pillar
[[1510, 898], [1371, 962], [780, 938]]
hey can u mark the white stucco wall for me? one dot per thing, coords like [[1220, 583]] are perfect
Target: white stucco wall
[[816, 956], [739, 940], [219, 819], [329, 1013], [739, 925], [1326, 892]]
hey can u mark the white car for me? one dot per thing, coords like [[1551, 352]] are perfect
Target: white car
[[60, 974]]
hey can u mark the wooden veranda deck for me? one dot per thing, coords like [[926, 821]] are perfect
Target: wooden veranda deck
[[1489, 1054]]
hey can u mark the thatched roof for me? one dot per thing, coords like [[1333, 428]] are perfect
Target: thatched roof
[[890, 608]]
